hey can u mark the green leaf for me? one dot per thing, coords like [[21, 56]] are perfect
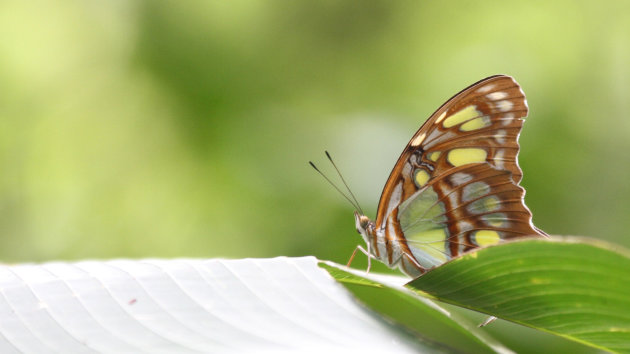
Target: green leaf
[[420, 316], [574, 288]]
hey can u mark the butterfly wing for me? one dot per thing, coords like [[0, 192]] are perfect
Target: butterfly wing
[[455, 186], [471, 206]]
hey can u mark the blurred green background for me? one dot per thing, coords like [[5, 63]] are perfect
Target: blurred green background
[[177, 129]]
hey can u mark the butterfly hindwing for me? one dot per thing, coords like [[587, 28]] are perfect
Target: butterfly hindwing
[[470, 206]]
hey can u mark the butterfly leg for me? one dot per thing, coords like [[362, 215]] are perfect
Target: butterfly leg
[[367, 253]]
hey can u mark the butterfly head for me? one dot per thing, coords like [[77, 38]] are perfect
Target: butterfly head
[[364, 226]]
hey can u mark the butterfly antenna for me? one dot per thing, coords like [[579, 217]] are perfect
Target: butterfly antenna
[[332, 184], [344, 183]]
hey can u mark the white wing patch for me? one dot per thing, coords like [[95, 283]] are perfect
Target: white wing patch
[[499, 95]]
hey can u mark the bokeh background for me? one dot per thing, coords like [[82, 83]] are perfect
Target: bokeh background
[[171, 129], [178, 129]]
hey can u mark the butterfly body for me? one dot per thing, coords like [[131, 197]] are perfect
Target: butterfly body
[[455, 187], [388, 251]]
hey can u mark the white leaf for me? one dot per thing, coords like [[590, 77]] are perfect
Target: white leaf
[[186, 305]]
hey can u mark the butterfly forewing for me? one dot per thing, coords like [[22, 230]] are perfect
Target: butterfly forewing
[[455, 186], [481, 123]]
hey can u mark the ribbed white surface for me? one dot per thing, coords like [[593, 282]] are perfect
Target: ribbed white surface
[[213, 306]]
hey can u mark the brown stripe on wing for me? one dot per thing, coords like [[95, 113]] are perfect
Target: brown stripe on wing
[[443, 189], [464, 186], [374, 241], [389, 238]]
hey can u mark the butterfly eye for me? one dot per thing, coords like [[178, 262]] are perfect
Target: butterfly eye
[[362, 223]]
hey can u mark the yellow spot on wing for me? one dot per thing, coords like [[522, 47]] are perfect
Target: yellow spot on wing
[[463, 156], [431, 241], [496, 220], [421, 177], [434, 155], [461, 116], [475, 124], [418, 140], [487, 237], [492, 203]]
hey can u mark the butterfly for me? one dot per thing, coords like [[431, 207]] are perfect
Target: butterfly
[[455, 187]]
